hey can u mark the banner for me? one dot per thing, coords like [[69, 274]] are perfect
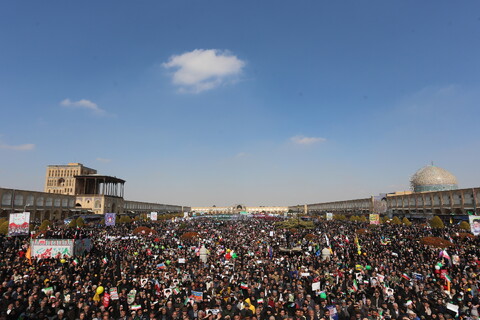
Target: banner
[[82, 246], [197, 295], [153, 216], [18, 224], [374, 218], [110, 219], [329, 215], [475, 224], [51, 248], [113, 293]]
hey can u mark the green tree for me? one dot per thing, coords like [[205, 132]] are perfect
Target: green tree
[[437, 223], [125, 219], [44, 225], [465, 225], [406, 222], [362, 218], [80, 222], [4, 228], [396, 220]]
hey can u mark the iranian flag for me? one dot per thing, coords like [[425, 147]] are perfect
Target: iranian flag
[[406, 277], [243, 285], [75, 262], [444, 254], [355, 285], [104, 260], [136, 307], [260, 300], [447, 277], [176, 290]]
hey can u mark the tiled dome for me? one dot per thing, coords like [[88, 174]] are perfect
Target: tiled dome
[[432, 178]]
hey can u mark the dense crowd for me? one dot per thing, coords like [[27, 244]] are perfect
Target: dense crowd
[[244, 269]]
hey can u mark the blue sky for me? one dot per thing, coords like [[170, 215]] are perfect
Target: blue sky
[[254, 102]]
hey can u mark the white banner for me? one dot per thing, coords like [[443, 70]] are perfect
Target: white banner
[[153, 216], [52, 248], [18, 224]]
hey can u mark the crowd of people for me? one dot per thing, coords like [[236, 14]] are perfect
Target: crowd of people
[[205, 268]]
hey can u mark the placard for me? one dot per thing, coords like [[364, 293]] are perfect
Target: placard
[[52, 248], [18, 224], [153, 216], [110, 219], [474, 224], [374, 218]]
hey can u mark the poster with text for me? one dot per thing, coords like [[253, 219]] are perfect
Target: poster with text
[[475, 225], [153, 216], [329, 215], [110, 219], [374, 218], [52, 248], [18, 224]]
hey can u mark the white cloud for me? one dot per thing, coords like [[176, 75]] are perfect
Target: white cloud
[[20, 147], [241, 155], [305, 141], [82, 104], [201, 70], [104, 160]]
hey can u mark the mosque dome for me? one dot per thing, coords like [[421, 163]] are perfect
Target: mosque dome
[[432, 178]]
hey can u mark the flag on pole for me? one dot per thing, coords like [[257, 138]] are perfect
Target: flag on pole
[[243, 286], [355, 285], [406, 277], [447, 277], [28, 255], [444, 254], [449, 281], [104, 260], [75, 261]]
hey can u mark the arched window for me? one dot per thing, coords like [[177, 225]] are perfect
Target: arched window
[[30, 200], [40, 202], [19, 199], [49, 202], [7, 199]]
